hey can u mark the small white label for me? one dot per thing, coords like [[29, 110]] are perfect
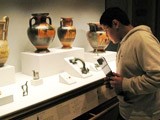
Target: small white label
[[66, 78]]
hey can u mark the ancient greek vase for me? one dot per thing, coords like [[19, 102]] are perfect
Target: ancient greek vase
[[41, 33], [97, 37], [4, 48], [66, 32]]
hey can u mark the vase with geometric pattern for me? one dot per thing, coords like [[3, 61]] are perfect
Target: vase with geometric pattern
[[66, 32], [41, 31], [97, 37]]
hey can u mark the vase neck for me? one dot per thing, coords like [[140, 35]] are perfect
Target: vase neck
[[40, 17], [95, 27], [66, 22]]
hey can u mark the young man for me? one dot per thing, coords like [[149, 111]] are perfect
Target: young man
[[137, 80]]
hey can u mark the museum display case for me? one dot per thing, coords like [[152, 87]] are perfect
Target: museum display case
[[52, 83]]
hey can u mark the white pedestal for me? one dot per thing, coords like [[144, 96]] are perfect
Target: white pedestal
[[7, 75], [48, 63], [92, 57], [37, 82], [5, 98]]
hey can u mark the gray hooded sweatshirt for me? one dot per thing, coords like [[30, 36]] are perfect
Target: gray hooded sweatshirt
[[138, 61]]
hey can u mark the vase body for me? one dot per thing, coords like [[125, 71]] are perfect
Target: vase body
[[97, 37], [66, 32], [41, 33], [4, 48]]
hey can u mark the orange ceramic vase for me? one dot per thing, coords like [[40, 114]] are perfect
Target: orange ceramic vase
[[41, 33], [66, 32], [97, 37]]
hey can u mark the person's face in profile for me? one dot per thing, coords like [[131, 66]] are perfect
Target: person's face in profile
[[112, 32]]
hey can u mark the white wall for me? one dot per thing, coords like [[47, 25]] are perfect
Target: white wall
[[19, 12]]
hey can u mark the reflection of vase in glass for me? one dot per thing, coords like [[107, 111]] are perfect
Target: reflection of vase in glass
[[66, 32], [4, 49], [41, 33], [97, 37]]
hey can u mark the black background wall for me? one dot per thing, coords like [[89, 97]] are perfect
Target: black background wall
[[146, 12]]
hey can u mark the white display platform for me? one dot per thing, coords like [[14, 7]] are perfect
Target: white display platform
[[5, 98], [48, 64], [36, 82], [92, 57], [7, 75], [75, 69]]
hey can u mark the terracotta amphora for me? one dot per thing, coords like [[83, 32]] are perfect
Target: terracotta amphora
[[97, 37], [66, 32], [41, 33], [4, 48]]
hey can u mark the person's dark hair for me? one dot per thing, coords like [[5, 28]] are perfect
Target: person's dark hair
[[114, 13]]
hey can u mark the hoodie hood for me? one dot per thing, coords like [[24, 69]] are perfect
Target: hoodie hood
[[135, 29]]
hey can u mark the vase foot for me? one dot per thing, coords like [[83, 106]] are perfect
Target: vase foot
[[99, 51], [1, 64], [42, 51], [66, 47]]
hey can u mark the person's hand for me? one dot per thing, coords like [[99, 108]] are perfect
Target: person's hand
[[116, 81], [107, 82]]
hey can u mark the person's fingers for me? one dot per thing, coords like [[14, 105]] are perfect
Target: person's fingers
[[107, 78], [112, 83], [116, 74]]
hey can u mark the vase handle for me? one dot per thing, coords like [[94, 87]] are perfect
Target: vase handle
[[92, 27], [71, 22], [50, 21], [6, 19], [61, 22], [30, 21]]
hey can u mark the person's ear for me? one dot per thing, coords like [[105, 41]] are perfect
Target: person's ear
[[115, 23]]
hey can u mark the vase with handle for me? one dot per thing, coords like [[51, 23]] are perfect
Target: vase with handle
[[66, 32], [4, 48], [97, 37], [41, 33]]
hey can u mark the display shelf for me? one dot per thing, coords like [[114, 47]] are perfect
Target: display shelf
[[52, 92], [49, 63]]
